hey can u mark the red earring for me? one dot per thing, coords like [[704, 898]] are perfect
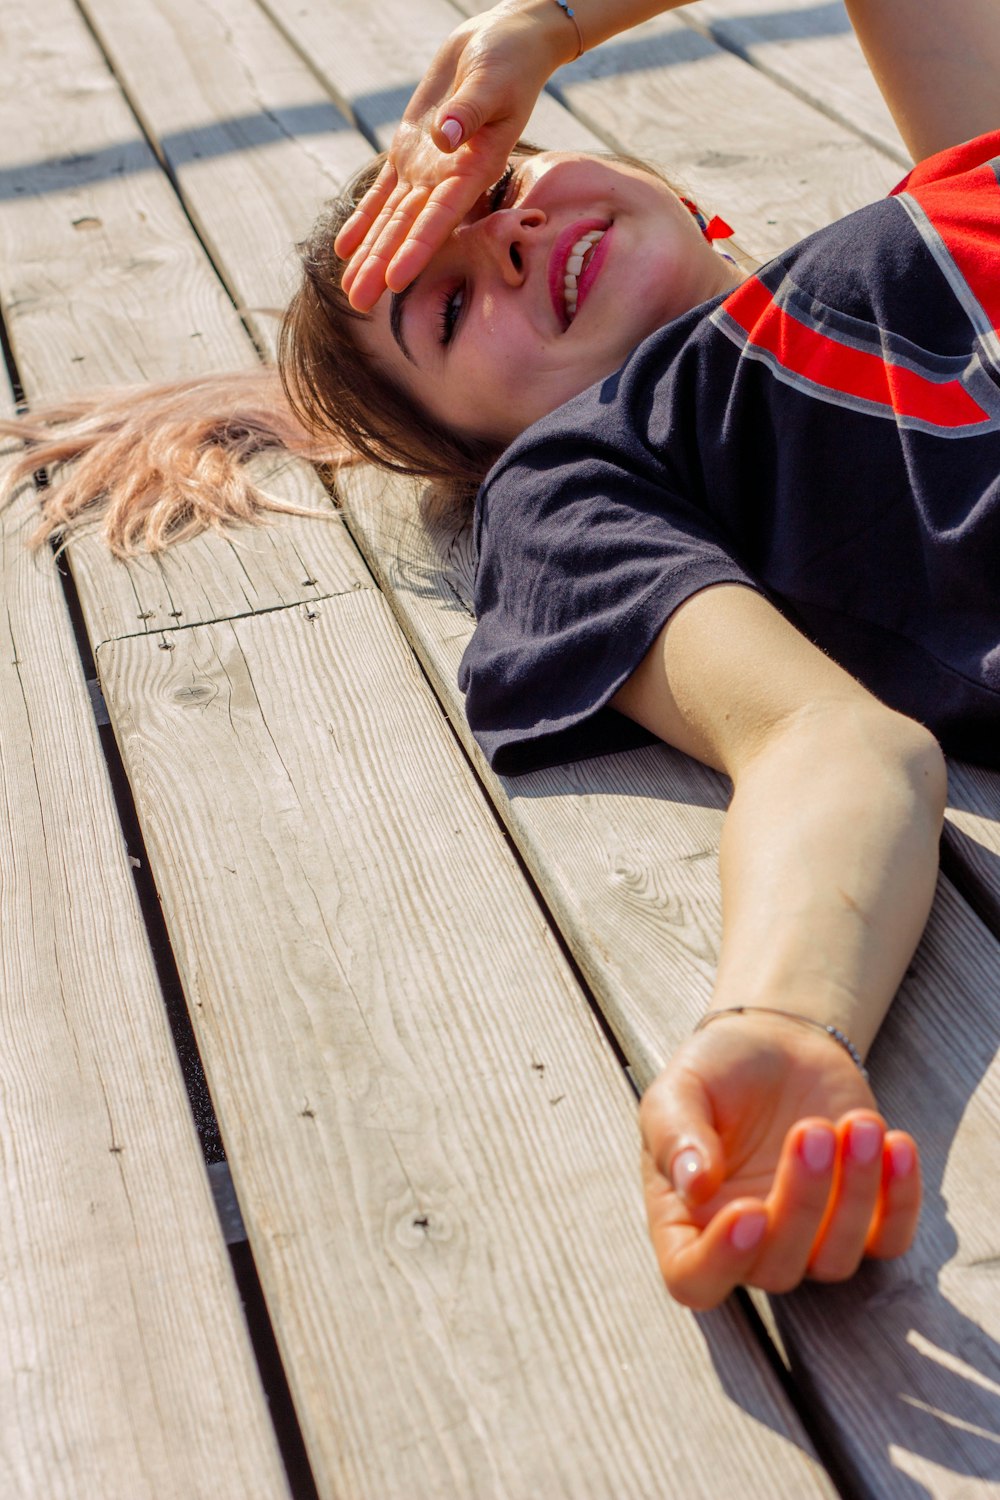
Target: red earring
[[713, 228]]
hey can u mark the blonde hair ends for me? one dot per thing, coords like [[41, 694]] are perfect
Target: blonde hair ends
[[153, 465]]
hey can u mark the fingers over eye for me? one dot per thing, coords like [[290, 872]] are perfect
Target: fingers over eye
[[427, 234], [353, 232], [364, 278], [376, 228]]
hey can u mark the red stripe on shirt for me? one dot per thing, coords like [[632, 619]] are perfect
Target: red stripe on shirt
[[820, 359], [965, 211]]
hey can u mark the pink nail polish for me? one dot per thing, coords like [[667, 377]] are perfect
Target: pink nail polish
[[817, 1147], [748, 1231], [452, 129], [903, 1158], [684, 1169], [864, 1142]]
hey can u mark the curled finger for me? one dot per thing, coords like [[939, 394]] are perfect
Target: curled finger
[[797, 1203], [895, 1220], [840, 1244], [702, 1266]]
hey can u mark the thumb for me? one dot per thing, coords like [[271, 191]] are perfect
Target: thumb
[[457, 120], [486, 97], [678, 1132]]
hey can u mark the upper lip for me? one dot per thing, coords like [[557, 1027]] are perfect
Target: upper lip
[[564, 243]]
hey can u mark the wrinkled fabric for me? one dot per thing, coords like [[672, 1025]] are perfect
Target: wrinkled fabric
[[828, 434]]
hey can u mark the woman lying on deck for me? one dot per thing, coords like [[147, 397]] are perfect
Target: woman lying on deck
[[756, 516]]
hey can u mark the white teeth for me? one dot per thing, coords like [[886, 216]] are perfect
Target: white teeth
[[574, 266]]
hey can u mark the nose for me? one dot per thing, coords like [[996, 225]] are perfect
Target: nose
[[500, 238]]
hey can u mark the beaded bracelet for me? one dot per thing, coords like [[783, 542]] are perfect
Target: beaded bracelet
[[565, 6], [791, 1015]]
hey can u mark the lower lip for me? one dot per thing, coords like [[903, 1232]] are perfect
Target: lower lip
[[591, 271]]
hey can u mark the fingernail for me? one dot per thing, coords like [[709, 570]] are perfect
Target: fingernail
[[684, 1169], [451, 129], [748, 1231], [903, 1158], [817, 1146], [864, 1141]]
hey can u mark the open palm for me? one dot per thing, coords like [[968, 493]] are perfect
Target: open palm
[[486, 77]]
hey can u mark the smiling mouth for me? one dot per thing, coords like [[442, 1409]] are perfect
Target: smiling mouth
[[579, 255]]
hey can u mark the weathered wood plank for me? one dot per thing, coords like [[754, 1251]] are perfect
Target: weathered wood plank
[[391, 44], [906, 1358], [106, 284], [243, 124], [125, 1367], [229, 244], [380, 1003], [972, 837], [624, 850], [623, 847], [810, 48]]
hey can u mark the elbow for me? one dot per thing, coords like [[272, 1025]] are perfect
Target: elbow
[[904, 756], [924, 764], [865, 751]]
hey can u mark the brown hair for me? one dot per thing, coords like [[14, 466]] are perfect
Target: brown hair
[[151, 465], [335, 387], [157, 464]]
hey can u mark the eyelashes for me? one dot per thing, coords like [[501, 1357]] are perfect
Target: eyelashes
[[451, 306], [496, 197], [453, 300]]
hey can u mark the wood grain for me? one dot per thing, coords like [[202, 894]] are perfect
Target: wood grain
[[106, 284], [391, 44], [624, 851], [810, 49], [249, 134], [125, 1368], [972, 837], [434, 1147]]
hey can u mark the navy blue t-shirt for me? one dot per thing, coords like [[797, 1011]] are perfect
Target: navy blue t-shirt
[[828, 433]]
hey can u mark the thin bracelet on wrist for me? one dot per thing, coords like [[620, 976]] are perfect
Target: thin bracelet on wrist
[[570, 14], [834, 1032]]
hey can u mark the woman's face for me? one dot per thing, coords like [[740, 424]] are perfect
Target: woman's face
[[545, 287]]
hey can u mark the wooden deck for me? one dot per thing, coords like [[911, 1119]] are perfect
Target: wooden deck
[[241, 808]]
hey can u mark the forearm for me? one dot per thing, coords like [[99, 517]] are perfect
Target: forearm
[[937, 65], [829, 858], [598, 21]]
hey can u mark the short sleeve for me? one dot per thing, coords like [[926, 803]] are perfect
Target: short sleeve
[[952, 162], [584, 551]]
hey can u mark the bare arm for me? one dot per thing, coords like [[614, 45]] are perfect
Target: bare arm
[[828, 866], [937, 63], [460, 127]]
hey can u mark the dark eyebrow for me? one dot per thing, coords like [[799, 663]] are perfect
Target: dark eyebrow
[[397, 301]]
